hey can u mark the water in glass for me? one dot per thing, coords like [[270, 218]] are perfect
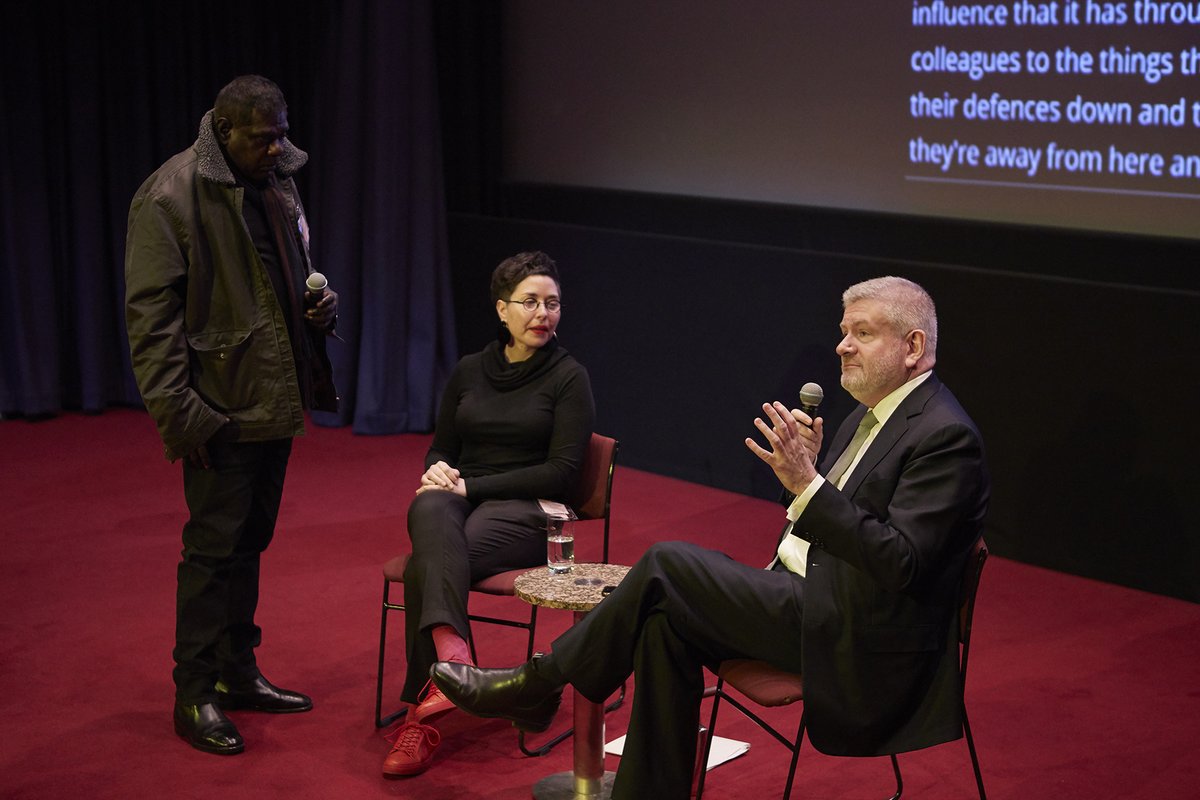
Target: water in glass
[[560, 544]]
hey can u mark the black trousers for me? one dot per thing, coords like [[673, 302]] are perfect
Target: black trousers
[[680, 608], [454, 544], [233, 507]]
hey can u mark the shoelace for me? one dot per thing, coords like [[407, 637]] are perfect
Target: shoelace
[[428, 691], [410, 736]]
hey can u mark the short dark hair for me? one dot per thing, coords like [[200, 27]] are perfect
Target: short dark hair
[[245, 93], [517, 268]]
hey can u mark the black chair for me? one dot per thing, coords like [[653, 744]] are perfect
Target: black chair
[[770, 687], [591, 500]]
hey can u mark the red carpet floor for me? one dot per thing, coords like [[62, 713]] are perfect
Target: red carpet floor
[[1078, 689]]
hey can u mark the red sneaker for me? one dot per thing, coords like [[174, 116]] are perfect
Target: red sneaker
[[412, 752], [434, 704]]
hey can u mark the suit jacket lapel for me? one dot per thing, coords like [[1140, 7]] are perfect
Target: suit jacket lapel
[[891, 433]]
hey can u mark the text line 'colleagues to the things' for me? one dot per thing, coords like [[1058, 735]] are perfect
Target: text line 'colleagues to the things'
[[976, 64]]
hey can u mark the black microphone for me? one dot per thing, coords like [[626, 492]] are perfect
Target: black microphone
[[811, 395]]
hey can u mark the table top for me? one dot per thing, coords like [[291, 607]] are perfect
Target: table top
[[578, 590]]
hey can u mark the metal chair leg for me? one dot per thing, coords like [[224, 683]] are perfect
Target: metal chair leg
[[795, 748], [974, 755], [380, 720], [716, 694], [899, 780]]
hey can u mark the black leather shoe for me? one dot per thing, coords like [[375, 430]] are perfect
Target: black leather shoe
[[204, 727], [261, 695], [519, 694]]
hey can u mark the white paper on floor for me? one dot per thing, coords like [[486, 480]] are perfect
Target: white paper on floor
[[722, 749]]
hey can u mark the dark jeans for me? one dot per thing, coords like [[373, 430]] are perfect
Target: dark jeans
[[233, 509], [680, 608], [454, 544]]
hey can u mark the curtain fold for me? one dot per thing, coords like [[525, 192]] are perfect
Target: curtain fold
[[382, 242], [95, 96]]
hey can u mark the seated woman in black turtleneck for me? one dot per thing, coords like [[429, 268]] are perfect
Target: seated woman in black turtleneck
[[513, 427]]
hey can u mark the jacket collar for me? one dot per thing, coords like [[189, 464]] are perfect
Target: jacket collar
[[213, 166], [896, 426]]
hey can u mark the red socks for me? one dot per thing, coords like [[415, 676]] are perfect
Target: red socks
[[450, 646]]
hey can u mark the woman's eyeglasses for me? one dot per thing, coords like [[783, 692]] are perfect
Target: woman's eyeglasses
[[531, 304]]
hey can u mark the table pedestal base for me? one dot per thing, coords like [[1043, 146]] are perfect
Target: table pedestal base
[[580, 591], [563, 786]]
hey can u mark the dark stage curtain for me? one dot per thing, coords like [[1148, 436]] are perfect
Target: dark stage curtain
[[96, 95]]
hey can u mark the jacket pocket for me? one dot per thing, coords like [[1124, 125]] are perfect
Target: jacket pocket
[[222, 372], [892, 639]]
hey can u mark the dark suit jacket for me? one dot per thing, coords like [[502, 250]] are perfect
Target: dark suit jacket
[[880, 643]]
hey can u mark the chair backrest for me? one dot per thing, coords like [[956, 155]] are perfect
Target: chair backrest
[[592, 496], [966, 600]]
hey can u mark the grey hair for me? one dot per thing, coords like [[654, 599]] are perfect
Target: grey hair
[[906, 307]]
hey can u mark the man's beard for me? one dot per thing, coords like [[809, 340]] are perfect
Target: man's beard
[[874, 376]]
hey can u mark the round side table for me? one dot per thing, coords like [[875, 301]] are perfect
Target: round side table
[[579, 591]]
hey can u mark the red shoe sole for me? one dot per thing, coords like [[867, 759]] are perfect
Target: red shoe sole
[[406, 771]]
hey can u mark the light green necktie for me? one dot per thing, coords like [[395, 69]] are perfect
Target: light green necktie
[[847, 457]]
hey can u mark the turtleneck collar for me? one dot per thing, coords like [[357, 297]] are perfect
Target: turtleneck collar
[[505, 376]]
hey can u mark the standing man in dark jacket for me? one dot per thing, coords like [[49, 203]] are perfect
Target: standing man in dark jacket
[[860, 599], [228, 350]]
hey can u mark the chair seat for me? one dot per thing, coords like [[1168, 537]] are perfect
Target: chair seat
[[764, 684], [393, 571], [501, 584]]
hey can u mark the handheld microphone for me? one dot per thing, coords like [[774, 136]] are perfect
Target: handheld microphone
[[811, 395], [316, 284]]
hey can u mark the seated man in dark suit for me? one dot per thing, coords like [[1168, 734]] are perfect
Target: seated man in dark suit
[[860, 598]]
